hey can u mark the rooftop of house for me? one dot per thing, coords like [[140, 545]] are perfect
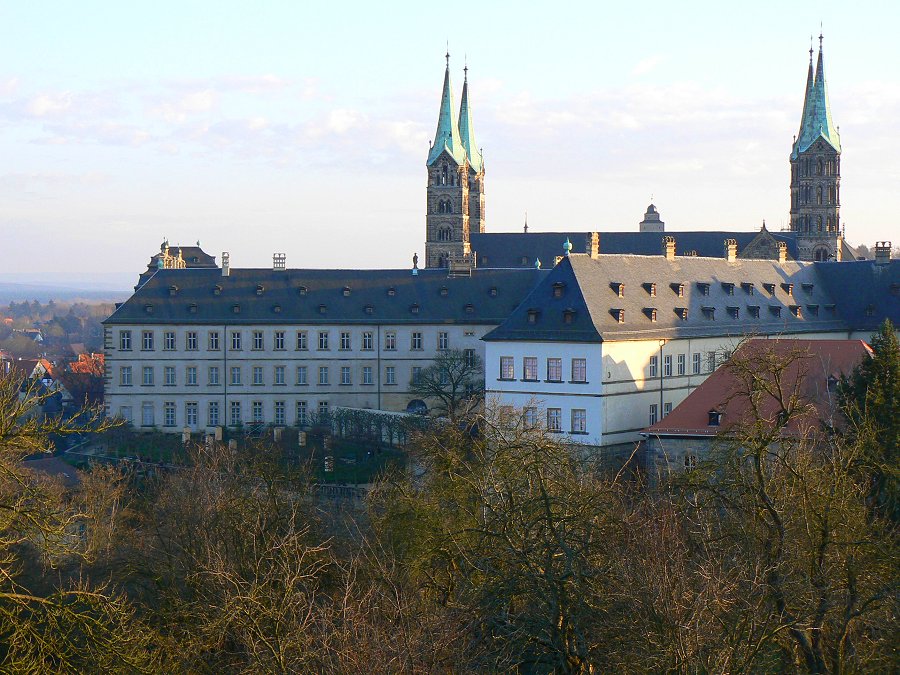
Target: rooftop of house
[[633, 297], [268, 296], [808, 372]]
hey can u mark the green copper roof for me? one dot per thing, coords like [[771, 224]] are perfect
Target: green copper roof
[[446, 137], [816, 121], [467, 129]]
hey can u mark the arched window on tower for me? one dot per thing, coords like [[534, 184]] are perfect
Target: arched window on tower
[[449, 206], [828, 224], [819, 195], [444, 174], [820, 166], [819, 223]]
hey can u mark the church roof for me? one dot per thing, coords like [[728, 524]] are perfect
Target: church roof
[[816, 121], [716, 298], [518, 249], [868, 293], [446, 136], [467, 129], [326, 297]]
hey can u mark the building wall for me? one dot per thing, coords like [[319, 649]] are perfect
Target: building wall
[[380, 394]]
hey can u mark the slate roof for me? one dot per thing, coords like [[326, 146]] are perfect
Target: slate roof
[[867, 293], [508, 249], [265, 296], [589, 294], [813, 362]]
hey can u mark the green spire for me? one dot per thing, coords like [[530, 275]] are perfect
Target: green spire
[[816, 121], [467, 128], [446, 137]]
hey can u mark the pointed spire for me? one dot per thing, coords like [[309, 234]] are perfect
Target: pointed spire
[[446, 136], [467, 128], [816, 120]]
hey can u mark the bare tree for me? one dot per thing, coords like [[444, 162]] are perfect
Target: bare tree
[[454, 383]]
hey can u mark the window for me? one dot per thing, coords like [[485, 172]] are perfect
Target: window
[[554, 419], [236, 340], [125, 340], [279, 413], [256, 412], [190, 414], [212, 414], [579, 370], [710, 361], [416, 374], [690, 462], [213, 341], [345, 340], [190, 342], [367, 341], [279, 340], [530, 417], [125, 413], [715, 418], [554, 370], [367, 375], [469, 358], [654, 365], [530, 368], [236, 375], [147, 417], [444, 376], [257, 375], [147, 379], [345, 375], [279, 375], [654, 412], [416, 341], [125, 376], [323, 410], [235, 415], [681, 364], [667, 365], [390, 375], [214, 375], [190, 376], [695, 363], [390, 341], [323, 340], [302, 344], [301, 375], [443, 340], [169, 376], [579, 421], [258, 340], [301, 412], [323, 374], [169, 414], [147, 340], [507, 368], [667, 408], [169, 341]]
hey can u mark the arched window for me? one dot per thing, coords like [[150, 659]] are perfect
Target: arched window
[[821, 254], [444, 174], [820, 168], [819, 195], [819, 223], [828, 224]]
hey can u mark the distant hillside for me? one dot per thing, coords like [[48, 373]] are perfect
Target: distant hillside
[[11, 292]]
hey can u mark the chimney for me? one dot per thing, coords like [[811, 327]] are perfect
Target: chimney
[[669, 247], [279, 261], [882, 252], [782, 252], [592, 245], [226, 263], [731, 250]]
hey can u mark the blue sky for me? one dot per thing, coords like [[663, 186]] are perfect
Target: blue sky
[[303, 128]]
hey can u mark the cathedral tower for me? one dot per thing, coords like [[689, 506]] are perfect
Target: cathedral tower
[[455, 192], [816, 173]]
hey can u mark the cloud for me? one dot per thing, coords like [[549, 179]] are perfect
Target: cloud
[[646, 65], [47, 105], [9, 87], [193, 103]]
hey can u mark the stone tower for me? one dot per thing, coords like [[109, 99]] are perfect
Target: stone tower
[[652, 221], [455, 192], [816, 173]]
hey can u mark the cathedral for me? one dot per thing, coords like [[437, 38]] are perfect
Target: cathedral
[[455, 209]]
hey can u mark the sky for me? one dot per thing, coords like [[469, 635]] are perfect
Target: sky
[[303, 127]]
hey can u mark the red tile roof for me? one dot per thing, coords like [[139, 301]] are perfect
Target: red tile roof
[[812, 364]]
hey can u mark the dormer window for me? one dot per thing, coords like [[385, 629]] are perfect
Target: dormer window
[[618, 315], [558, 289], [813, 310], [715, 418], [414, 309], [770, 288], [704, 287], [568, 315], [173, 291], [533, 315], [870, 310], [236, 309], [260, 289], [148, 308], [276, 309], [302, 290], [618, 288], [470, 309], [323, 309], [709, 313], [392, 292], [651, 289], [753, 311], [775, 310], [217, 290], [650, 312], [788, 288], [524, 259], [444, 291], [192, 308], [748, 288], [682, 313], [678, 289], [795, 310], [728, 287], [734, 312], [368, 309], [807, 288], [831, 309], [345, 291], [493, 292]]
